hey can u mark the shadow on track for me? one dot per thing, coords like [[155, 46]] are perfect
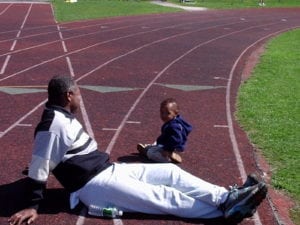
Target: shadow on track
[[15, 196], [141, 216]]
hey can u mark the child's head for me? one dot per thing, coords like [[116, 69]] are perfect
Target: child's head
[[168, 109]]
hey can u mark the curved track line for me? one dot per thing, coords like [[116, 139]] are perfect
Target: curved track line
[[91, 33], [8, 56], [232, 135], [111, 144], [82, 106], [58, 40], [150, 84], [4, 10], [79, 28], [257, 220], [22, 118], [67, 23], [87, 74], [111, 40], [112, 60]]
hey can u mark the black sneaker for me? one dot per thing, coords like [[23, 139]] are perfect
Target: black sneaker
[[252, 179], [242, 203]]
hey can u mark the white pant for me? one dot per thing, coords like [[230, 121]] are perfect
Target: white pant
[[154, 189]]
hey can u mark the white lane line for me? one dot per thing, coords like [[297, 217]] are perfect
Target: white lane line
[[235, 147], [71, 70], [22, 118], [24, 125], [81, 218], [24, 2], [122, 124], [221, 126], [220, 78], [102, 43], [114, 129], [4, 10], [12, 48], [7, 58], [134, 122], [85, 75]]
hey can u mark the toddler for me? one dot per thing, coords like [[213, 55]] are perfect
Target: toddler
[[173, 135]]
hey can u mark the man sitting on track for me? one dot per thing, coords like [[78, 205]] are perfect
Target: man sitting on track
[[62, 147]]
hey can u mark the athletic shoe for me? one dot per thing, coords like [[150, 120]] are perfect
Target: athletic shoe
[[175, 157], [242, 203], [252, 179]]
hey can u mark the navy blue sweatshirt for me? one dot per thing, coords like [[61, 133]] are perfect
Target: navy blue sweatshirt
[[174, 134]]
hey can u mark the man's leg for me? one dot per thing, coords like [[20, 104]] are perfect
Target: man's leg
[[152, 188]]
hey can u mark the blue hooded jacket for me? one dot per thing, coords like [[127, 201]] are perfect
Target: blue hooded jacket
[[174, 134]]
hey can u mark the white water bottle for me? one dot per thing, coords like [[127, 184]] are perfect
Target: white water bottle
[[111, 212]]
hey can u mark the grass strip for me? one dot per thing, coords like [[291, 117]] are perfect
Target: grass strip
[[269, 110], [92, 9], [236, 4]]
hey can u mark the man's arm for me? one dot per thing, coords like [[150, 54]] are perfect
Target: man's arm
[[36, 180], [29, 215]]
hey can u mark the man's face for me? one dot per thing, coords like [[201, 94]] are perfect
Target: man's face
[[74, 98]]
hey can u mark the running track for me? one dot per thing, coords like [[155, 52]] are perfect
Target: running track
[[125, 66]]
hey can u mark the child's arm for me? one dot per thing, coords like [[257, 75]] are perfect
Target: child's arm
[[172, 138]]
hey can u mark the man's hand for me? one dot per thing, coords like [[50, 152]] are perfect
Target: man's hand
[[27, 216]]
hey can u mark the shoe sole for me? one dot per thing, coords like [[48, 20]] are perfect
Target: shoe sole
[[175, 157], [247, 207]]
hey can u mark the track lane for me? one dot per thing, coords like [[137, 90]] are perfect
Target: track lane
[[155, 94]]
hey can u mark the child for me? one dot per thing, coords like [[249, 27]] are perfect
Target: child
[[173, 136]]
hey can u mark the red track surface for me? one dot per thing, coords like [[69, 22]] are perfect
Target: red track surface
[[204, 52]]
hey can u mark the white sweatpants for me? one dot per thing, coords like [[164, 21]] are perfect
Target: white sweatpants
[[158, 188]]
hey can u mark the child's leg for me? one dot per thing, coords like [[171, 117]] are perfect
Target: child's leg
[[156, 153]]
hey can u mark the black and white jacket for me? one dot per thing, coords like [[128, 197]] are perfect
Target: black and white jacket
[[62, 147]]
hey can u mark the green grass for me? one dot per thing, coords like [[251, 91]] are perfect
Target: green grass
[[268, 102], [269, 110], [91, 9], [230, 4]]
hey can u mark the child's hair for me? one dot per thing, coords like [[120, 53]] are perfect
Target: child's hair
[[172, 101]]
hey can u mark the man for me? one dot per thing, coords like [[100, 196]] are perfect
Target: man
[[62, 147]]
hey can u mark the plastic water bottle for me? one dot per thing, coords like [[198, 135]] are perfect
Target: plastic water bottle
[[111, 212]]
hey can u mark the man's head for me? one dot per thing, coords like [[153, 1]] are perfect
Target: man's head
[[63, 91], [168, 109]]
